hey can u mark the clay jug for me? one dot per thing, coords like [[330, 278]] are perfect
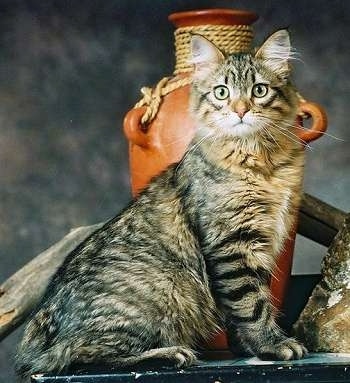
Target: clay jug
[[159, 128]]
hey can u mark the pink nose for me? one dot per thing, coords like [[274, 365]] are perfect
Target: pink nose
[[241, 108], [241, 112]]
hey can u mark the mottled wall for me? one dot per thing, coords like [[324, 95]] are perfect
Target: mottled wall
[[70, 70]]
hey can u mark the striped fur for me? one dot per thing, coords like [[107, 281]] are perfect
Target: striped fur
[[196, 250]]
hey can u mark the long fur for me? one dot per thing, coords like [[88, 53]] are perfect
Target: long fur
[[196, 250]]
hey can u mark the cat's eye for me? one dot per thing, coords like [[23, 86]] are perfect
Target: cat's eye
[[221, 92], [260, 90]]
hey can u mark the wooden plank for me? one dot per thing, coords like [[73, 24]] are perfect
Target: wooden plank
[[20, 294], [318, 220]]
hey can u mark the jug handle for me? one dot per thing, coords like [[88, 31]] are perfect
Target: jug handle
[[319, 122], [133, 128], [137, 135]]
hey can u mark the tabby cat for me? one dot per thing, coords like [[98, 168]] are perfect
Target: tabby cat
[[195, 252]]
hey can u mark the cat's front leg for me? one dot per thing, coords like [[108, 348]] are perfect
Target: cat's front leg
[[243, 295], [258, 334], [251, 324]]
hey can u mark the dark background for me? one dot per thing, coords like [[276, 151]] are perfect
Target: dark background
[[69, 71]]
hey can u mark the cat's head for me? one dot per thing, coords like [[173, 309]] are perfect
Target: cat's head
[[244, 94]]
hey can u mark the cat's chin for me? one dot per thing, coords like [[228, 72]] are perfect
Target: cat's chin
[[243, 130]]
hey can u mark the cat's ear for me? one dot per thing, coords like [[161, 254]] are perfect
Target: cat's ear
[[204, 55], [276, 52]]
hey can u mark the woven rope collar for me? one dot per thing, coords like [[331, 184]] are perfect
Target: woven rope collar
[[228, 38]]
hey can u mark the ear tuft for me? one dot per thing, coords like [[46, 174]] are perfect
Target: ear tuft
[[204, 51], [204, 54], [276, 51]]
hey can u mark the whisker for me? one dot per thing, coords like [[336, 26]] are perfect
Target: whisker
[[290, 135], [214, 141], [320, 131], [192, 149], [314, 130], [298, 139], [279, 127], [271, 135], [171, 143]]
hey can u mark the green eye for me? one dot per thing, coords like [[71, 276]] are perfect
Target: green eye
[[260, 90], [221, 92]]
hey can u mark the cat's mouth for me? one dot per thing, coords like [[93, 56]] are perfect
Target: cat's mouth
[[239, 127], [243, 129]]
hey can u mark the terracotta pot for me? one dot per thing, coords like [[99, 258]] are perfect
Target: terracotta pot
[[164, 141]]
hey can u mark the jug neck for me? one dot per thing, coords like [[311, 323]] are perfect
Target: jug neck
[[230, 30]]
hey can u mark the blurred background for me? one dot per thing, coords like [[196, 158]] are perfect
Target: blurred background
[[70, 70]]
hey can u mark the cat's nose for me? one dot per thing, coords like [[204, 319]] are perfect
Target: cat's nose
[[241, 108]]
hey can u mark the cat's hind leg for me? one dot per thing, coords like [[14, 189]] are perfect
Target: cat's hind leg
[[180, 356], [70, 358]]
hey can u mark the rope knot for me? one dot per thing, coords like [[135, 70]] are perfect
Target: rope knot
[[152, 98]]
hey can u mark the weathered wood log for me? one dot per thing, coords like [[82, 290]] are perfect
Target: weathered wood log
[[20, 294], [324, 324], [318, 220]]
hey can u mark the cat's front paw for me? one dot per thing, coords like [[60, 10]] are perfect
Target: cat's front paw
[[286, 349]]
